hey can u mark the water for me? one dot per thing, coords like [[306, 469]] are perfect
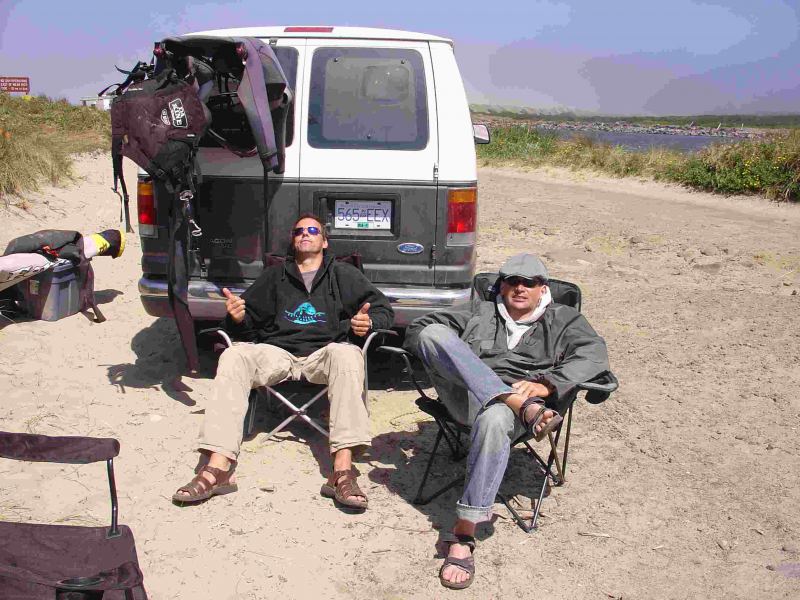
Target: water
[[638, 142]]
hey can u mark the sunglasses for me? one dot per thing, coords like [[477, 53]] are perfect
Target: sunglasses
[[515, 280], [311, 231]]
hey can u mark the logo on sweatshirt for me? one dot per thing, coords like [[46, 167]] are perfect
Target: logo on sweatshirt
[[305, 314]]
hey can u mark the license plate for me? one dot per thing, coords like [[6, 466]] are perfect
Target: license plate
[[363, 214]]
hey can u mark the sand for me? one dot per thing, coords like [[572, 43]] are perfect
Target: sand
[[685, 484]]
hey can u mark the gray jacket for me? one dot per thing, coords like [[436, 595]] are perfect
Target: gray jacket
[[560, 349]]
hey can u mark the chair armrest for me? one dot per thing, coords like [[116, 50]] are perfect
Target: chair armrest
[[220, 332], [599, 388], [406, 356], [373, 334], [394, 350], [62, 449]]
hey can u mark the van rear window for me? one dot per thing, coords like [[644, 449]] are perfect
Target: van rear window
[[372, 98]]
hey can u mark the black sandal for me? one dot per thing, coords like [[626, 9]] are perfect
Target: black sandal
[[531, 424], [465, 564]]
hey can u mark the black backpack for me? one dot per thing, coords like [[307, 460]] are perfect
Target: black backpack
[[159, 123]]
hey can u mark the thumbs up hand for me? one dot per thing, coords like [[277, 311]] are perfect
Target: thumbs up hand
[[361, 322], [234, 305]]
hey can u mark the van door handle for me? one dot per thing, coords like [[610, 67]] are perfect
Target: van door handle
[[432, 258]]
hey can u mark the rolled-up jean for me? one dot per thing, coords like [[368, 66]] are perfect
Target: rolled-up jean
[[470, 390]]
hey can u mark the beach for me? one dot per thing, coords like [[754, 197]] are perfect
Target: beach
[[684, 484]]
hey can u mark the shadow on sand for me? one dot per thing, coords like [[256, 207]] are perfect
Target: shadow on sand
[[160, 363]]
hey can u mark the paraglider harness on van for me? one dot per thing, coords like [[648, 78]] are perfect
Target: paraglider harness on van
[[158, 122]]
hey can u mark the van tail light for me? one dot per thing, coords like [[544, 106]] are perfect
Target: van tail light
[[146, 208], [462, 216]]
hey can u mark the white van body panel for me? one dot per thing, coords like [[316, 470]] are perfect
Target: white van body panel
[[343, 163], [348, 33], [456, 146]]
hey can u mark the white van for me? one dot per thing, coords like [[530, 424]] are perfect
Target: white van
[[379, 143]]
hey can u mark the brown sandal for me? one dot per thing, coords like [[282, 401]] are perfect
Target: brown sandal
[[341, 486], [199, 488], [530, 424], [465, 564]]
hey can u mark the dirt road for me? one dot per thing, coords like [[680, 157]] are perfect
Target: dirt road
[[685, 484]]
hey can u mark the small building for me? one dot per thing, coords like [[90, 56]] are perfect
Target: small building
[[99, 102]]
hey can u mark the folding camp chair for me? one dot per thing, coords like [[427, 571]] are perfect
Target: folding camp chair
[[353, 259], [42, 561], [296, 411], [455, 433]]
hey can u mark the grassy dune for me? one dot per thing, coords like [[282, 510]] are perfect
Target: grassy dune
[[38, 137], [769, 168]]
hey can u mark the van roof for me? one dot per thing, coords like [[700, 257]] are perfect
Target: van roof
[[325, 31]]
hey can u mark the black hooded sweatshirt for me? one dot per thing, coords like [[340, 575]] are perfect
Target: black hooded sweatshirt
[[281, 312]]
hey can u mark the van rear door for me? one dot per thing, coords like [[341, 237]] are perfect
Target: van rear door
[[230, 199], [368, 153]]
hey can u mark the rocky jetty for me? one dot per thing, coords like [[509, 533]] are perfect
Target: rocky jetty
[[621, 127]]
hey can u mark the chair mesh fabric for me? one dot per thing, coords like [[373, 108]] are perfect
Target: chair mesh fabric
[[486, 285], [57, 552]]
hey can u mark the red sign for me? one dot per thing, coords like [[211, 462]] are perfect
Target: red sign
[[15, 84]]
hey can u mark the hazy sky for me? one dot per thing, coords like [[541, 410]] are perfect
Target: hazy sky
[[606, 56]]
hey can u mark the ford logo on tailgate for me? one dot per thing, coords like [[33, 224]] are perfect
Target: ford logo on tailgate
[[410, 248]]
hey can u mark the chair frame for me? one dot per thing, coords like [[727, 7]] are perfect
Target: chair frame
[[75, 450], [296, 411], [452, 431]]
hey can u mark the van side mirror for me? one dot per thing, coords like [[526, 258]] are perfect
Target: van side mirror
[[480, 133]]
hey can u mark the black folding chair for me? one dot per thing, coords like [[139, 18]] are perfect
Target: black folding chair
[[68, 562], [455, 434]]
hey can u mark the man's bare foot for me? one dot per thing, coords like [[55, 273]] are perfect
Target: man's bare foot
[[454, 573], [459, 575], [343, 461], [514, 402]]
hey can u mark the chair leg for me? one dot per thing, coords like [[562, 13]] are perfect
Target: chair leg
[[250, 417], [518, 518], [419, 498], [546, 468], [298, 412]]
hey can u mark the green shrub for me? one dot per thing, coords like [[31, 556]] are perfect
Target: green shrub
[[518, 143], [768, 167]]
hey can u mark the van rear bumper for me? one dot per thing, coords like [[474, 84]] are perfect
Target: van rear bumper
[[206, 302]]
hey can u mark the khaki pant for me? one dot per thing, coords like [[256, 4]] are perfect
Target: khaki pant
[[245, 366]]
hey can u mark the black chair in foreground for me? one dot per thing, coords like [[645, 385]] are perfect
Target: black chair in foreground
[[456, 434], [67, 562]]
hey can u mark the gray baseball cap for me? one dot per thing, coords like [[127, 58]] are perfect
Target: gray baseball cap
[[524, 265]]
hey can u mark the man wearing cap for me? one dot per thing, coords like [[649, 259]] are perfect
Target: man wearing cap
[[502, 366]]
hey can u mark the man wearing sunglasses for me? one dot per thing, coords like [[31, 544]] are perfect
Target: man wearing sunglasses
[[298, 319], [501, 366]]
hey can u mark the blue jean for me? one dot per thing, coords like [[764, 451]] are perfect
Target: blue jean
[[469, 389]]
